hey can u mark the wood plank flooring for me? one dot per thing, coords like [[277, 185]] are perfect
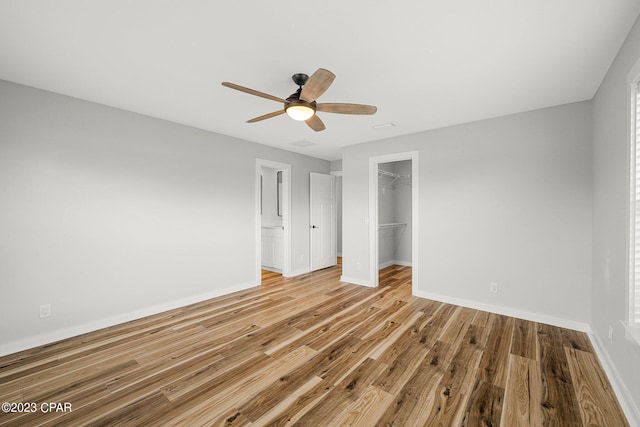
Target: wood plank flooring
[[313, 351]]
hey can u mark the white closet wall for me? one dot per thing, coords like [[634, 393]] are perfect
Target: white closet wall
[[394, 213]]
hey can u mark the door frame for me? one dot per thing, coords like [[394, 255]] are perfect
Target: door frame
[[286, 215], [374, 161]]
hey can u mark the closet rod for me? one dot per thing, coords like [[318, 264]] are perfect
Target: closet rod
[[392, 225]]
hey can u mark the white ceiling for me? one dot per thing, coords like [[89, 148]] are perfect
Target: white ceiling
[[424, 64]]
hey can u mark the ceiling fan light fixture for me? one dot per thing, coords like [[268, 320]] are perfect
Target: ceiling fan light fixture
[[300, 112]]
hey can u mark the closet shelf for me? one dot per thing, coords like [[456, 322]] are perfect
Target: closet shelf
[[392, 225], [391, 180]]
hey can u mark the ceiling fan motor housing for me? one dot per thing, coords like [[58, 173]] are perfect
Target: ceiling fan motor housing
[[294, 100]]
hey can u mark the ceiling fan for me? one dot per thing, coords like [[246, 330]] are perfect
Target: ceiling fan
[[302, 105]]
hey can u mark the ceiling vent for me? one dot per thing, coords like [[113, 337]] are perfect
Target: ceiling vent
[[302, 143], [384, 125]]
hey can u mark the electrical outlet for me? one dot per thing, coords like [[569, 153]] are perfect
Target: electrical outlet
[[611, 334], [493, 287], [45, 310]]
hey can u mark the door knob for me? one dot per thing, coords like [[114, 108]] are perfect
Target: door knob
[[313, 226]]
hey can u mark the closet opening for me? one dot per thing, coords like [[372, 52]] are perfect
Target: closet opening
[[393, 219], [394, 223]]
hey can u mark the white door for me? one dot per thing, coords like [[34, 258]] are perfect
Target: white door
[[323, 221]]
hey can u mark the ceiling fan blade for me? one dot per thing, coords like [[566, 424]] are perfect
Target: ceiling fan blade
[[315, 123], [252, 92], [266, 116], [317, 84], [344, 108]]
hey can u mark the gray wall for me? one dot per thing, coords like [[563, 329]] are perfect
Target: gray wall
[[109, 215], [506, 200], [610, 216]]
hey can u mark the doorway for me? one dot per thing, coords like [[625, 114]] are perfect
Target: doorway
[[272, 218], [393, 213]]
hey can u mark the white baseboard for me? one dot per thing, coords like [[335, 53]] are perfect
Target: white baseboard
[[356, 281], [393, 262], [299, 272], [273, 269], [60, 334], [506, 311], [622, 393]]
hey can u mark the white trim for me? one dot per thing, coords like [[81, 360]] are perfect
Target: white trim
[[286, 216], [95, 325], [394, 262], [373, 213], [625, 398], [335, 173], [506, 311], [356, 281], [300, 271], [633, 82]]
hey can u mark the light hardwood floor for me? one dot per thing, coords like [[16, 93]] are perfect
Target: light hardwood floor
[[312, 351]]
